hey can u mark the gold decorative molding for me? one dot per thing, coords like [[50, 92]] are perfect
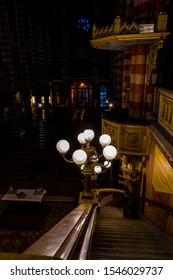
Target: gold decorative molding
[[120, 26], [154, 48], [122, 42], [162, 21], [132, 169], [129, 139], [121, 36]]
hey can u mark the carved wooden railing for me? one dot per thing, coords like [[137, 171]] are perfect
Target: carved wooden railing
[[120, 26]]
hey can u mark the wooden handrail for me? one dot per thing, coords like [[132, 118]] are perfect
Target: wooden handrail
[[112, 190], [59, 241], [158, 204], [68, 246], [86, 245]]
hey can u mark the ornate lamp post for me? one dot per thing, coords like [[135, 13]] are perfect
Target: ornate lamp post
[[90, 162]]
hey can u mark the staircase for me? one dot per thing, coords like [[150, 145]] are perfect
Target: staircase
[[121, 238]]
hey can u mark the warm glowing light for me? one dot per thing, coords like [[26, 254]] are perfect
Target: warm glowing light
[[82, 166], [79, 157], [42, 99], [89, 134], [109, 152], [90, 162], [81, 138], [110, 105], [107, 164], [62, 146], [33, 101], [97, 169], [82, 84], [105, 140]]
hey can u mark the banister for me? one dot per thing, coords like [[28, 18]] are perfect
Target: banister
[[158, 204], [105, 190], [68, 246], [59, 240], [85, 248]]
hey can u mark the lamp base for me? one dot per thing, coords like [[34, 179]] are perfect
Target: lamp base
[[87, 194], [88, 197]]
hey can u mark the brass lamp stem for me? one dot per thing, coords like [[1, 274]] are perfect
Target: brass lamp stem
[[88, 150], [67, 160], [87, 184]]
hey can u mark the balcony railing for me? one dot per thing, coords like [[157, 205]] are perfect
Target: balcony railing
[[165, 115], [120, 26]]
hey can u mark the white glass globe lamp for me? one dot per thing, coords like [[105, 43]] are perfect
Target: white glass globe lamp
[[89, 134], [62, 146], [82, 166], [97, 169], [109, 152], [94, 158], [105, 140], [81, 138], [79, 157], [107, 164]]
